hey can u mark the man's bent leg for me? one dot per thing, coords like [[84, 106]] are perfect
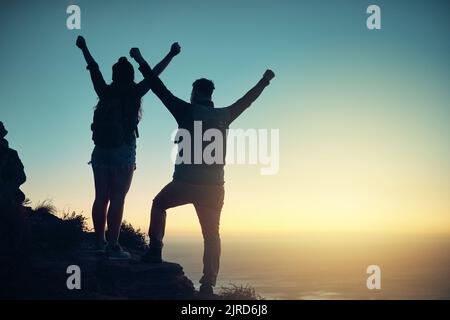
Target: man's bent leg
[[172, 195]]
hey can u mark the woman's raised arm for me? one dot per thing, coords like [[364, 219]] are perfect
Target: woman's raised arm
[[96, 76]]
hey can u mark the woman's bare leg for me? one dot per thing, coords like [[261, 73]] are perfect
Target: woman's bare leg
[[101, 180], [120, 184]]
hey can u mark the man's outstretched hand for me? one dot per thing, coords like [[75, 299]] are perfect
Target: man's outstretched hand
[[269, 75], [136, 54], [81, 43], [175, 49]]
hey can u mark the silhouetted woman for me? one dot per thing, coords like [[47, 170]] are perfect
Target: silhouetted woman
[[114, 131]]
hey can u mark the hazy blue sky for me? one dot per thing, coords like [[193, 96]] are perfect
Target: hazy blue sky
[[363, 115]]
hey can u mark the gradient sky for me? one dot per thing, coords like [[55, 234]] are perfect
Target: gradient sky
[[363, 115]]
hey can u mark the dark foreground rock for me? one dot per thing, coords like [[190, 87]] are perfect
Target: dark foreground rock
[[105, 279], [58, 250], [50, 277]]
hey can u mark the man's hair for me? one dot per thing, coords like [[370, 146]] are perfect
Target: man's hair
[[203, 86]]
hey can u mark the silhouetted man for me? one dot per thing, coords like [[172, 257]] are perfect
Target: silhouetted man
[[13, 224], [201, 184], [12, 174]]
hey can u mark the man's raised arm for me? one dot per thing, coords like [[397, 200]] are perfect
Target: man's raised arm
[[175, 49], [243, 103], [144, 85], [173, 104]]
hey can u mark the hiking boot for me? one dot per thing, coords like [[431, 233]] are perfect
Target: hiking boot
[[206, 290], [153, 255], [100, 247], [116, 252]]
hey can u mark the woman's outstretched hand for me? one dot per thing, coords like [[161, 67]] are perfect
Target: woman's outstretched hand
[[81, 43], [175, 49]]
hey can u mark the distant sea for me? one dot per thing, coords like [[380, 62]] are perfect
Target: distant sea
[[326, 266]]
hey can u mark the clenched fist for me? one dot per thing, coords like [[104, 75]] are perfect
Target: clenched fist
[[175, 49], [136, 54], [269, 75], [81, 43]]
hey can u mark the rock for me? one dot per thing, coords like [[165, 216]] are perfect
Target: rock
[[105, 279], [44, 274]]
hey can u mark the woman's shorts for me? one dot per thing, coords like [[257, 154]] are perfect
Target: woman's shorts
[[123, 156]]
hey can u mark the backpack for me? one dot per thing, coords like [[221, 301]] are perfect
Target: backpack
[[115, 123]]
